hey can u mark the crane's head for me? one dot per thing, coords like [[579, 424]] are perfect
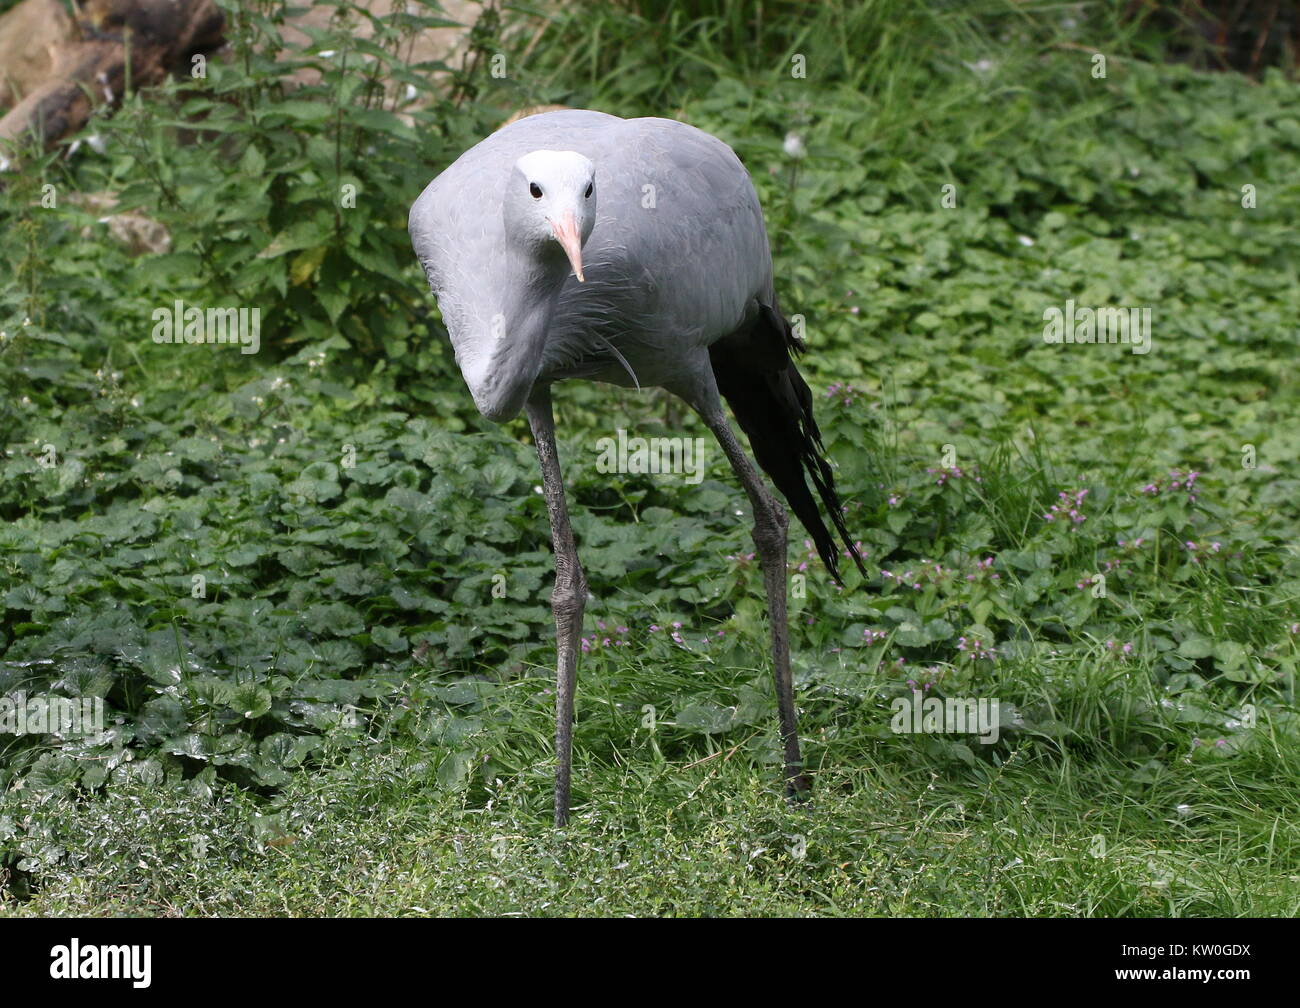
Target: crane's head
[[550, 204]]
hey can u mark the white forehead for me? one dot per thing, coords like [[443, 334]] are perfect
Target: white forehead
[[555, 166]]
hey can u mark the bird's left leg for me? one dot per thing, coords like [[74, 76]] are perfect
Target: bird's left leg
[[770, 529], [568, 599]]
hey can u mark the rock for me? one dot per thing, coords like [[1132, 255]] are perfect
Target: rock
[[29, 36], [140, 234], [432, 45], [89, 68]]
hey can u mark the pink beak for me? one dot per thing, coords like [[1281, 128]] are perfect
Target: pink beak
[[566, 233]]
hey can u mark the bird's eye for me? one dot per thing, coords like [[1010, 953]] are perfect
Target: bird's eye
[[588, 193], [535, 189]]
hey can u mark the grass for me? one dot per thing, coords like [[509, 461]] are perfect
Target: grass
[[349, 719], [714, 838]]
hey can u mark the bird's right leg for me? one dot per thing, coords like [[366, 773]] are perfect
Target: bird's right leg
[[770, 530], [568, 598]]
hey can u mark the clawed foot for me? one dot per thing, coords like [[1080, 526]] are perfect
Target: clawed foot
[[798, 787]]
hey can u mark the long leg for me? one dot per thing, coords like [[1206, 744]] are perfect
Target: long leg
[[770, 528], [568, 598]]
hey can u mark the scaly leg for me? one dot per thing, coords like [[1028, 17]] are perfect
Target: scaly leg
[[770, 527], [568, 599]]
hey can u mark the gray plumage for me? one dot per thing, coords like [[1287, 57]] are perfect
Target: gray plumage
[[678, 256], [579, 245]]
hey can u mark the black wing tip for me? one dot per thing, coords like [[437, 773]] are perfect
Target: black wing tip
[[827, 547], [755, 373]]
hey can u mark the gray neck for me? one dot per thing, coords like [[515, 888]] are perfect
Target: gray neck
[[523, 315]]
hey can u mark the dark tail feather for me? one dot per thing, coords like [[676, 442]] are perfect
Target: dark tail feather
[[773, 404]]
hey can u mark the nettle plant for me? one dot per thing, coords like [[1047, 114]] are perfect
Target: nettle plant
[[283, 174]]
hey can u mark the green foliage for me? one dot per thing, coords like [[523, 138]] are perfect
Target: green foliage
[[374, 561], [272, 195]]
